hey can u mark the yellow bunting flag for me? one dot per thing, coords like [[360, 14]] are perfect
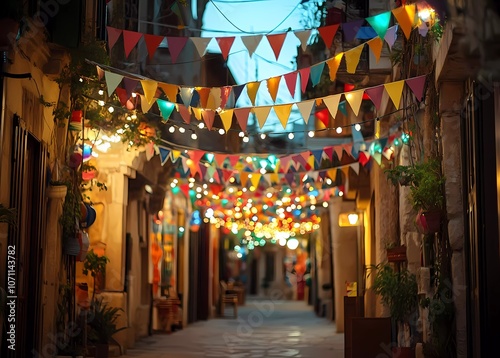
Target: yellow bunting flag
[[272, 85], [275, 178], [354, 98], [310, 161], [227, 117], [352, 58], [170, 91], [406, 18], [197, 112], [244, 178], [149, 87], [283, 112], [262, 113], [145, 105], [375, 45], [333, 65], [332, 103], [214, 99], [345, 170], [252, 88], [175, 154], [395, 91], [305, 108], [255, 179], [332, 173]]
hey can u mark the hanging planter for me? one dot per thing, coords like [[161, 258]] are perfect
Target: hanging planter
[[428, 222], [71, 246]]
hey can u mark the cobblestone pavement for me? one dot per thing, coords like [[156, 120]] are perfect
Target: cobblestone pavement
[[264, 328]]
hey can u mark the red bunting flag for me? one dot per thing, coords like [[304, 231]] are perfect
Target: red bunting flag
[[113, 35], [175, 46], [304, 78], [130, 39], [276, 42], [225, 44], [152, 43], [328, 33]]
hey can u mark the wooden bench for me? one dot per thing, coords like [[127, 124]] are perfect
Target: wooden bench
[[227, 296]]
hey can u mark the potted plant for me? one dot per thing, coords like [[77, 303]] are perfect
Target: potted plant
[[399, 292], [96, 266], [426, 191], [102, 323]]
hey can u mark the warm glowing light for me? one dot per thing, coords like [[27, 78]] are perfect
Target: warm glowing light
[[194, 136], [201, 125], [339, 130], [291, 136], [357, 127], [171, 129], [222, 131], [292, 244], [311, 134]]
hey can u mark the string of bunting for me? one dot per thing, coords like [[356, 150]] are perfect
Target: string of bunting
[[404, 15]]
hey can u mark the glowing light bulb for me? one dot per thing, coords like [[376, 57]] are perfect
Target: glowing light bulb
[[241, 134], [246, 139], [111, 109], [171, 129], [194, 136], [311, 134], [182, 129], [290, 136], [339, 130], [101, 92], [263, 136], [222, 131], [357, 127], [201, 125]]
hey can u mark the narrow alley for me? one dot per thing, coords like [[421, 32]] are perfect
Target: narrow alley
[[264, 328]]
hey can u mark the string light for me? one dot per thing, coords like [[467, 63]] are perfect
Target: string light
[[194, 136], [171, 129], [201, 125], [182, 129], [263, 136], [339, 130], [222, 131], [242, 134], [291, 136], [311, 134], [357, 126]]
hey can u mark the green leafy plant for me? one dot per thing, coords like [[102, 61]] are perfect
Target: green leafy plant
[[103, 323], [71, 213], [95, 265], [399, 292]]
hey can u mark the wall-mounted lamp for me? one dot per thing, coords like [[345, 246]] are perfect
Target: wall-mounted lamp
[[349, 219]]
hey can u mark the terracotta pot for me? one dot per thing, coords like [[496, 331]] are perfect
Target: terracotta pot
[[428, 222], [403, 352]]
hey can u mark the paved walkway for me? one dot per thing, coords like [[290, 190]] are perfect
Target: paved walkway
[[264, 328]]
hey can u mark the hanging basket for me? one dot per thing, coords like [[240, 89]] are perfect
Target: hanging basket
[[71, 246], [428, 222]]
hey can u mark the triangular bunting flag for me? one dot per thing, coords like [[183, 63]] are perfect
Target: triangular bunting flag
[[355, 98], [197, 112], [423, 29], [375, 45], [343, 108], [350, 29], [380, 23], [174, 155], [324, 118], [242, 117], [145, 105], [305, 108], [332, 103], [130, 85], [225, 44], [303, 36], [185, 188], [227, 117], [203, 92], [316, 72], [375, 94], [391, 35], [164, 153], [244, 178], [251, 43], [276, 42], [290, 178], [225, 92], [214, 99], [304, 78], [130, 39], [219, 159], [352, 58], [201, 44], [208, 117], [186, 95], [332, 173], [184, 112], [175, 46], [333, 65], [122, 95], [166, 108], [406, 18], [170, 91], [318, 155], [252, 88], [395, 90], [273, 85], [338, 150], [355, 167], [329, 152], [255, 179], [237, 92], [291, 82], [377, 157], [310, 161], [196, 155], [283, 113], [112, 81], [113, 35], [417, 85], [261, 113], [327, 33], [149, 87], [233, 160], [152, 43]]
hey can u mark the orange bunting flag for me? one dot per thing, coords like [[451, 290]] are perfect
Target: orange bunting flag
[[354, 98], [242, 117], [332, 103], [170, 91], [333, 65], [375, 45], [273, 85], [352, 58], [261, 113], [283, 113], [203, 92], [305, 108], [184, 112], [208, 117], [395, 91], [276, 42], [227, 117], [406, 18], [252, 88], [327, 33], [219, 159], [244, 178], [251, 43]]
